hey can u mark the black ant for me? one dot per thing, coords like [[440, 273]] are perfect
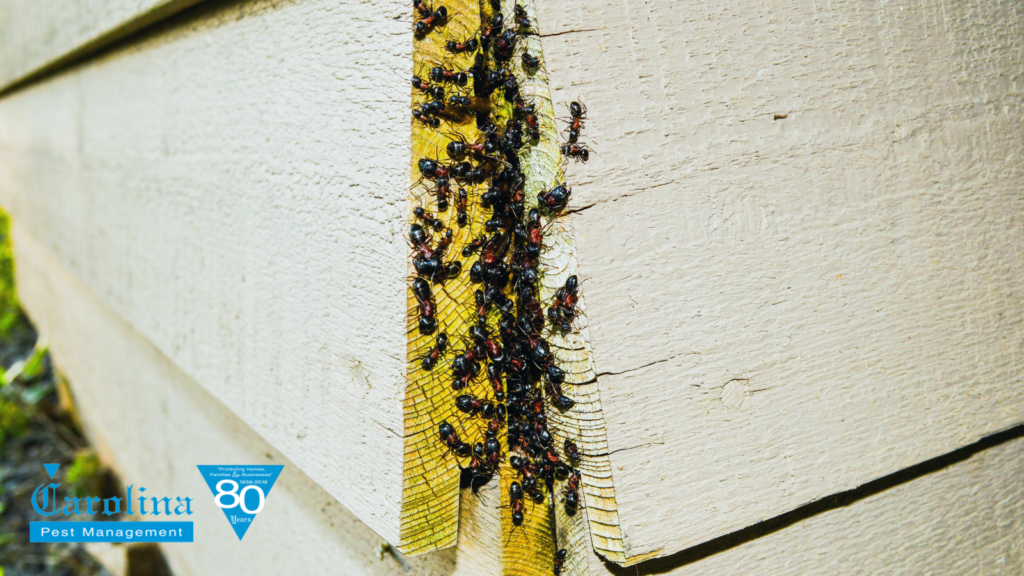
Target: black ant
[[433, 107], [443, 192], [428, 218], [463, 216], [474, 246], [492, 31], [423, 117], [571, 494], [530, 61], [438, 74], [559, 561], [441, 344], [421, 289], [580, 153], [458, 47], [460, 101], [556, 198], [578, 113], [435, 92], [430, 19], [451, 438], [522, 19], [572, 452]]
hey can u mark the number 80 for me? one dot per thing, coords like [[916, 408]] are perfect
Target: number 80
[[239, 497]]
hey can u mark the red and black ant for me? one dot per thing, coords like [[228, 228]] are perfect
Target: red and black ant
[[563, 308], [441, 344], [423, 117], [430, 19], [522, 20], [421, 289], [428, 218], [504, 46], [459, 47], [439, 74], [493, 30], [474, 246], [559, 561], [451, 439], [578, 152], [578, 113], [431, 169], [571, 494], [556, 198], [463, 216], [435, 92], [515, 496], [572, 452], [494, 375], [442, 193]]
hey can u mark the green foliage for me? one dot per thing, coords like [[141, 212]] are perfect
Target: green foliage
[[29, 369], [13, 421], [84, 472], [10, 311]]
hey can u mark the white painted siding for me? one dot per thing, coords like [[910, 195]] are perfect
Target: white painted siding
[[782, 309], [36, 36], [234, 188], [154, 423]]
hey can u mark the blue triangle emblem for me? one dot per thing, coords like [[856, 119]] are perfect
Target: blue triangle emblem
[[240, 491], [51, 469]]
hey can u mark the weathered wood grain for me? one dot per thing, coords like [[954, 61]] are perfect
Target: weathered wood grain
[[800, 242], [234, 186], [39, 36]]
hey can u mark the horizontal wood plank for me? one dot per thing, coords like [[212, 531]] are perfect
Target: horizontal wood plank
[[800, 239], [234, 186], [155, 423], [40, 36]]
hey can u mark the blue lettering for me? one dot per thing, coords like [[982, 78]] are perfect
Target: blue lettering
[[35, 499], [117, 504]]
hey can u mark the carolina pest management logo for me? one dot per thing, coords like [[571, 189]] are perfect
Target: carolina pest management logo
[[240, 491]]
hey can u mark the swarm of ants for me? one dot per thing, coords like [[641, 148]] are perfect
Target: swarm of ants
[[504, 344]]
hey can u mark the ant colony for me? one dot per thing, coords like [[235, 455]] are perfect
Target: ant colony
[[479, 334]]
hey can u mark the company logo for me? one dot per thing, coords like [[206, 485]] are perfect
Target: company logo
[[45, 503], [240, 491]]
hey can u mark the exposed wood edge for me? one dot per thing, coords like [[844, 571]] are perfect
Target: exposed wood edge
[[431, 475], [584, 422], [142, 20]]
